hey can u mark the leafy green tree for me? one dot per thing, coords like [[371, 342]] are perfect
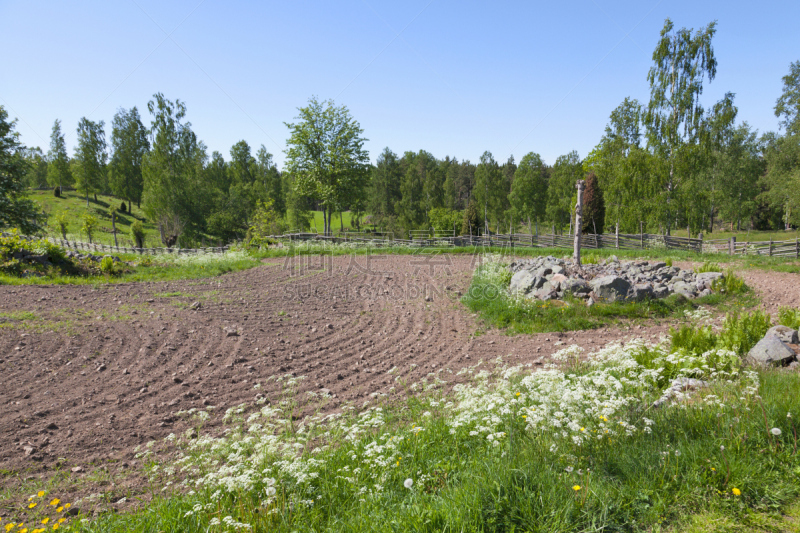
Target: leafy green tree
[[444, 220], [561, 188], [88, 226], [172, 172], [59, 173], [411, 208], [682, 60], [787, 106], [490, 190], [62, 224], [129, 145], [326, 156], [594, 207], [91, 157], [16, 211], [268, 175], [742, 166], [266, 222], [36, 177], [528, 195]]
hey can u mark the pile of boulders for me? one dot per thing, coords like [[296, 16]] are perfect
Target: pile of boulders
[[90, 257], [779, 347], [549, 278]]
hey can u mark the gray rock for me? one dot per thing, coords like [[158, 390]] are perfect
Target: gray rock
[[546, 293], [543, 271], [660, 291], [707, 279], [770, 350], [556, 269], [642, 291], [558, 281], [610, 288], [684, 289], [679, 385], [576, 286], [522, 282], [784, 333]]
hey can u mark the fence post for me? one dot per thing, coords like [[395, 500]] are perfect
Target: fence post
[[617, 236], [796, 247], [641, 235], [732, 246], [770, 246]]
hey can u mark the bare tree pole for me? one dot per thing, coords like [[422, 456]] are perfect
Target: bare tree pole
[[580, 185]]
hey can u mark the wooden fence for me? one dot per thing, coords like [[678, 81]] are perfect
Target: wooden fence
[[108, 249], [790, 248]]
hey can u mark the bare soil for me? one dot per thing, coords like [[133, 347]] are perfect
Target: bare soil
[[89, 373]]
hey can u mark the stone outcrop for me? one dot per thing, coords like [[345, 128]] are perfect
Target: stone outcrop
[[547, 278]]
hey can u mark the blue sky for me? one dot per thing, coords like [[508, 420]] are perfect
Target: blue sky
[[453, 78]]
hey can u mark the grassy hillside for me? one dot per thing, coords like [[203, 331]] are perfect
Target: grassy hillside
[[336, 224], [74, 205]]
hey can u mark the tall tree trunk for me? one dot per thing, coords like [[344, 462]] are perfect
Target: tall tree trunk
[[114, 227], [341, 221]]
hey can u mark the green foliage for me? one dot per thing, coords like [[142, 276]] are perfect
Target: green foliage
[[90, 157], [668, 261], [789, 317], [528, 197], [88, 225], [694, 340], [561, 189], [16, 211], [107, 265], [446, 220], [730, 283], [59, 173], [129, 145], [326, 156], [490, 192], [138, 234], [741, 332], [787, 106], [62, 224], [708, 267], [266, 223], [472, 223]]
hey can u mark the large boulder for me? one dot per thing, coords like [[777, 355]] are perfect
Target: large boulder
[[707, 279], [522, 282], [576, 286], [770, 350], [610, 288], [642, 291], [684, 289], [784, 333]]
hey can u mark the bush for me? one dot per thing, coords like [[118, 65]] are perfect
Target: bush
[[708, 267], [62, 224], [57, 191], [789, 317], [89, 226], [741, 333], [693, 340], [444, 220], [107, 265], [123, 208], [730, 283], [137, 233]]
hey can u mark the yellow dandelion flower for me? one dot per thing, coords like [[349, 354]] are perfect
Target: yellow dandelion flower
[[583, 429], [23, 530], [55, 526], [31, 505], [55, 502], [67, 505], [713, 469], [62, 520], [10, 526], [45, 520], [59, 509], [525, 417], [518, 394], [576, 488], [40, 493], [736, 492]]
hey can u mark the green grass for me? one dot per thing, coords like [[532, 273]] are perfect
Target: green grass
[[73, 205], [336, 223], [742, 236], [680, 474], [488, 296]]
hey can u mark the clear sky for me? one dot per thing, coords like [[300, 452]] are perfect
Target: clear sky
[[452, 78]]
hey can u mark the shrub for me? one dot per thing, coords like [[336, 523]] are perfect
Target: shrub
[[107, 265], [445, 220], [742, 332], [789, 317], [62, 223], [693, 340], [730, 283], [123, 208], [89, 226], [473, 221], [57, 191], [708, 267], [137, 233], [668, 261]]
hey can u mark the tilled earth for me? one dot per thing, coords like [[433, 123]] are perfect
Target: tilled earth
[[89, 373]]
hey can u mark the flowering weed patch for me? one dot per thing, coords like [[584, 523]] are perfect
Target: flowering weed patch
[[577, 446]]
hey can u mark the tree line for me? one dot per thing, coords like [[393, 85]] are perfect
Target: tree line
[[661, 165]]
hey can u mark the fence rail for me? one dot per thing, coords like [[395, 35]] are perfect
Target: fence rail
[[621, 241], [106, 248]]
